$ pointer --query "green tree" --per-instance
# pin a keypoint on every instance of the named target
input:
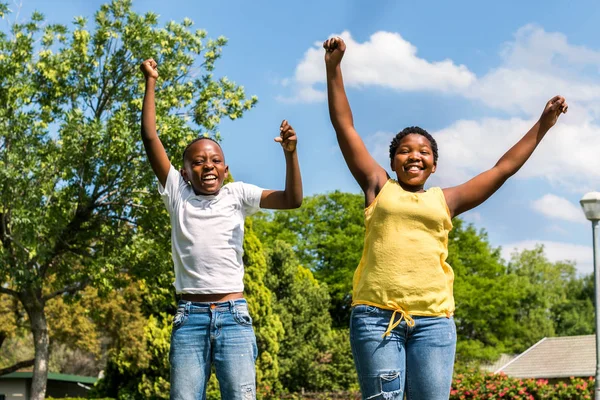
(73, 174)
(544, 286)
(486, 296)
(267, 325)
(327, 234)
(302, 304)
(575, 316)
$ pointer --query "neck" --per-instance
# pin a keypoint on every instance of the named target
(411, 188)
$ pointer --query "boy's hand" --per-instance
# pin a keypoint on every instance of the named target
(287, 137)
(149, 69)
(555, 106)
(334, 51)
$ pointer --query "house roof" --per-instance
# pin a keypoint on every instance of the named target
(556, 357)
(499, 363)
(52, 376)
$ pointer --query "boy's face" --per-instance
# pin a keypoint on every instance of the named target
(413, 161)
(204, 166)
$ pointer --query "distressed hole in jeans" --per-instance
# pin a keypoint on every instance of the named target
(248, 392)
(390, 384)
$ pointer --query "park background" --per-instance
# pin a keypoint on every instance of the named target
(85, 240)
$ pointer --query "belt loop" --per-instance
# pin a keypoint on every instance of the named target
(188, 305)
(231, 305)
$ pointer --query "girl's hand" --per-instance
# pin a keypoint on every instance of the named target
(149, 69)
(334, 51)
(287, 137)
(555, 106)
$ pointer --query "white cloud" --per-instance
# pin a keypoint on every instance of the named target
(558, 208)
(556, 251)
(535, 66)
(385, 60)
(569, 155)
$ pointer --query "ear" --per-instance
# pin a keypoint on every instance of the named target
(226, 175)
(393, 163)
(434, 168)
(183, 173)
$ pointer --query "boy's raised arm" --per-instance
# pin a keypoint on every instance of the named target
(159, 160)
(291, 197)
(367, 172)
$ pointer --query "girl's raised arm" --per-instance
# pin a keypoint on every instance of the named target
(159, 160)
(474, 192)
(370, 176)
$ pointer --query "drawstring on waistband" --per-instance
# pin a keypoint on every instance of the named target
(404, 315)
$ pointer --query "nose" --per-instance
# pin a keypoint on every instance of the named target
(208, 166)
(414, 156)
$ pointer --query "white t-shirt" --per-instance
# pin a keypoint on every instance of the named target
(207, 234)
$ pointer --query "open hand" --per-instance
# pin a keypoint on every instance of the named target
(149, 68)
(334, 51)
(555, 106)
(287, 137)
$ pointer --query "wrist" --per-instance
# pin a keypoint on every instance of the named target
(543, 127)
(150, 80)
(333, 68)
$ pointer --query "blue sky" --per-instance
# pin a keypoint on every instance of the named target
(474, 74)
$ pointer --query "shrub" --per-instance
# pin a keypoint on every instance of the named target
(479, 385)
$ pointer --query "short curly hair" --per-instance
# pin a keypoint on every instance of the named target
(197, 140)
(419, 131)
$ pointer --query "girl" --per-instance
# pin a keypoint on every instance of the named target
(212, 325)
(401, 329)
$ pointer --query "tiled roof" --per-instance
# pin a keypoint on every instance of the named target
(556, 357)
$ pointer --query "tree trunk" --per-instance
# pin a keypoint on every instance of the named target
(39, 328)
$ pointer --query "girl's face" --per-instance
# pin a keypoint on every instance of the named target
(413, 162)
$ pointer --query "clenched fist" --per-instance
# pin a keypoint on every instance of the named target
(334, 51)
(149, 69)
(287, 137)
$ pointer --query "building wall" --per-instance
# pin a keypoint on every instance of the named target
(14, 389)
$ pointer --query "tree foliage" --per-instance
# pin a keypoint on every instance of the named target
(73, 175)
(327, 234)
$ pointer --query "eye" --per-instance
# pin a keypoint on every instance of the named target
(424, 152)
(216, 161)
(198, 162)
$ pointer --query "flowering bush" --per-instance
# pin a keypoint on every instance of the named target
(479, 385)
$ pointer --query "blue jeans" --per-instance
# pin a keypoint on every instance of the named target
(218, 334)
(417, 361)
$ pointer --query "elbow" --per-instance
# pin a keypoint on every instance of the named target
(295, 203)
(504, 172)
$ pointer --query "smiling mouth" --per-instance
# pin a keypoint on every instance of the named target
(209, 178)
(412, 168)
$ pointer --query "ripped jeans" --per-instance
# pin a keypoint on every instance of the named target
(417, 361)
(218, 334)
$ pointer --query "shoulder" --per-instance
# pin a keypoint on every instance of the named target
(241, 189)
(233, 187)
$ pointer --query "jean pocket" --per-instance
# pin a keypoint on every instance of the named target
(365, 309)
(179, 318)
(242, 316)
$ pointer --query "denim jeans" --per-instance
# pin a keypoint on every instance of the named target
(417, 361)
(213, 334)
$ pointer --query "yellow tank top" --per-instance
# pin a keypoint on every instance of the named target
(403, 266)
